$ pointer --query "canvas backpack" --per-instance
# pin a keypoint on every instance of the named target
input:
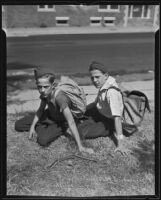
(135, 105)
(75, 93)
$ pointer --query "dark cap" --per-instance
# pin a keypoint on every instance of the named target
(41, 71)
(97, 66)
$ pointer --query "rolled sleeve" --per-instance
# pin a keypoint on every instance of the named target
(115, 101)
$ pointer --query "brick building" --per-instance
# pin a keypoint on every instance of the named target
(16, 16)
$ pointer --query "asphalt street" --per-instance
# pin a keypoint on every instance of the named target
(120, 52)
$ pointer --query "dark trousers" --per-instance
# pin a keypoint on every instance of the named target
(94, 125)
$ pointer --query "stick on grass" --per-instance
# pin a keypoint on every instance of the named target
(69, 157)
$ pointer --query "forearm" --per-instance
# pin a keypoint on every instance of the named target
(119, 135)
(75, 133)
(37, 117)
(35, 120)
(118, 125)
(38, 114)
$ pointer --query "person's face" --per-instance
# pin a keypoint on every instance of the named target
(44, 86)
(98, 78)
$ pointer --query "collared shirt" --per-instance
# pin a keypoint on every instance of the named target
(109, 102)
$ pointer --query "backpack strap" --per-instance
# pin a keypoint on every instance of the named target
(114, 87)
(118, 89)
(53, 98)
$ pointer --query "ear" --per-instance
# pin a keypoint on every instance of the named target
(106, 74)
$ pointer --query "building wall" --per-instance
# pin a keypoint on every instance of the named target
(21, 16)
(143, 21)
(29, 16)
(4, 18)
(140, 22)
(80, 16)
(157, 22)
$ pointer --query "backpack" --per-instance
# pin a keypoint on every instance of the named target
(75, 93)
(135, 105)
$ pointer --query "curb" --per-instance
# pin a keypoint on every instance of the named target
(74, 30)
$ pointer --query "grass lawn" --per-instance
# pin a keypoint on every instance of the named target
(112, 174)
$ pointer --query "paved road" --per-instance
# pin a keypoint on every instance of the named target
(73, 53)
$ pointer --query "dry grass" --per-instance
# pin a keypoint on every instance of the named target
(114, 175)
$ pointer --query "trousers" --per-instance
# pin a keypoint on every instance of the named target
(93, 125)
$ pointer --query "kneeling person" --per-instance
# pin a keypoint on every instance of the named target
(50, 123)
(109, 103)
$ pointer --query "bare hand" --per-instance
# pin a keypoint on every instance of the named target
(122, 149)
(86, 150)
(32, 134)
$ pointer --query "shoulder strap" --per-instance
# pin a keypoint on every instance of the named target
(55, 92)
(114, 87)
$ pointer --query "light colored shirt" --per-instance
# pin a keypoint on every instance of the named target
(109, 103)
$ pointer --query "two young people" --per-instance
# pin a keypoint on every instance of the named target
(102, 118)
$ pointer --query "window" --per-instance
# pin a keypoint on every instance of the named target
(109, 21)
(103, 7)
(95, 21)
(108, 8)
(139, 11)
(62, 21)
(114, 7)
(42, 7)
(46, 8)
(146, 12)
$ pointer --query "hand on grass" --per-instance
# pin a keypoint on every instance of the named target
(32, 134)
(122, 148)
(86, 150)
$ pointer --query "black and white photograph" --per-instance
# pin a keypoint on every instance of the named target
(80, 99)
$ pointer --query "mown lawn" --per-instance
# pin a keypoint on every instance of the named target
(112, 174)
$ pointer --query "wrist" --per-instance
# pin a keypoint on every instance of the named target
(80, 147)
(32, 126)
(120, 136)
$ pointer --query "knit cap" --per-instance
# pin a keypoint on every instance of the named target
(97, 66)
(40, 71)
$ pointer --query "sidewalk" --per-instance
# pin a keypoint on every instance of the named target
(29, 100)
(24, 32)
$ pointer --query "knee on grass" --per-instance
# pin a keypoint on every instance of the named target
(20, 127)
(17, 126)
(43, 141)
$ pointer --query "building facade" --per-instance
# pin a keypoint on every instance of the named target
(26, 16)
